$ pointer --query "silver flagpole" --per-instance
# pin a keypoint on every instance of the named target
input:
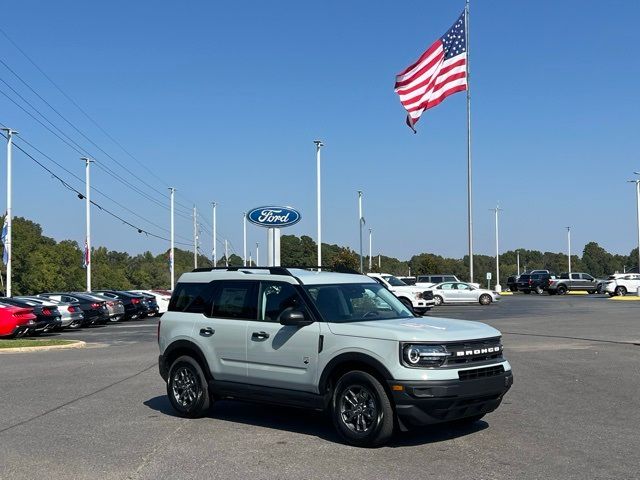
(469, 190)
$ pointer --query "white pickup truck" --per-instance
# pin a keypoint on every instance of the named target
(419, 299)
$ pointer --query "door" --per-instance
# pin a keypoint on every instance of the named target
(465, 293)
(575, 283)
(448, 293)
(281, 356)
(588, 282)
(222, 310)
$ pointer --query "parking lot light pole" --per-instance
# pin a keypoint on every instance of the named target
(257, 254)
(244, 238)
(360, 223)
(214, 252)
(518, 260)
(195, 237)
(569, 246)
(497, 285)
(172, 241)
(9, 217)
(319, 145)
(87, 197)
(370, 251)
(637, 182)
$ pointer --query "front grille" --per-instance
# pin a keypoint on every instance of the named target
(474, 351)
(427, 295)
(481, 372)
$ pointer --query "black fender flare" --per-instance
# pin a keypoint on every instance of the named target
(192, 348)
(352, 358)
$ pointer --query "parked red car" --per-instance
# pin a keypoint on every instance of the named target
(15, 321)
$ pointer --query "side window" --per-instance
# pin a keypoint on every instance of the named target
(447, 286)
(575, 276)
(450, 278)
(235, 299)
(437, 279)
(463, 286)
(275, 298)
(586, 276)
(189, 297)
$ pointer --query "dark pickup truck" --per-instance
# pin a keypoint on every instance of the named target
(573, 282)
(534, 282)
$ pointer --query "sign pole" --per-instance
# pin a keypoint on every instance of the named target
(8, 240)
(319, 145)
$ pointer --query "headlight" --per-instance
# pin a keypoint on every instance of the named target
(418, 295)
(424, 356)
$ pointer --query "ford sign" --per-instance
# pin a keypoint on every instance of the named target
(274, 217)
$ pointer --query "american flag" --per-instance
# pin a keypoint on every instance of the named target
(440, 71)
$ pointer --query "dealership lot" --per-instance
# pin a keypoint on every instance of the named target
(101, 411)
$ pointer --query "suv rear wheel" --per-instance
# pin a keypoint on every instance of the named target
(361, 410)
(621, 291)
(187, 388)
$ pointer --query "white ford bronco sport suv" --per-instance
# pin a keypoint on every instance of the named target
(329, 341)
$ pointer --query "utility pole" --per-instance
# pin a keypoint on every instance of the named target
(637, 182)
(215, 249)
(195, 237)
(518, 260)
(244, 238)
(379, 262)
(87, 197)
(257, 254)
(360, 223)
(319, 145)
(226, 253)
(569, 247)
(497, 285)
(8, 246)
(370, 257)
(172, 248)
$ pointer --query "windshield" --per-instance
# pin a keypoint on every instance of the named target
(395, 281)
(356, 302)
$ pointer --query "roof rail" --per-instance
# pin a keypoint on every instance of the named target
(279, 270)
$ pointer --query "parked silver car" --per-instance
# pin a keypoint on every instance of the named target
(70, 315)
(115, 306)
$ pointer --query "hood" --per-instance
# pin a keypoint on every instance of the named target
(423, 329)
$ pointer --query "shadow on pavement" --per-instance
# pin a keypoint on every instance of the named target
(311, 422)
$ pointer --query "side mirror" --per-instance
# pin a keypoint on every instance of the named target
(293, 317)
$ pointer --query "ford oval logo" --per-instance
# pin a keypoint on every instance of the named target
(274, 217)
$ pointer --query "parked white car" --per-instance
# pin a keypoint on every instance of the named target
(461, 292)
(420, 299)
(623, 284)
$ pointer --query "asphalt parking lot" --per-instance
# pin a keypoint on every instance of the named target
(101, 411)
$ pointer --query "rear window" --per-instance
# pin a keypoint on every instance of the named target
(525, 277)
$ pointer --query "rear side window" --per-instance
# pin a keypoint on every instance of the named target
(189, 297)
(575, 276)
(437, 279)
(450, 278)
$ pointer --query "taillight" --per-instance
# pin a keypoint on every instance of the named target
(71, 309)
(46, 311)
(530, 282)
(135, 301)
(95, 305)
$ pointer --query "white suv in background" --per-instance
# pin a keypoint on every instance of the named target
(623, 284)
(418, 298)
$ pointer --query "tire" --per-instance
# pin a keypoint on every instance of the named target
(591, 292)
(407, 304)
(599, 289)
(561, 290)
(438, 299)
(420, 311)
(539, 290)
(551, 292)
(526, 292)
(372, 423)
(622, 291)
(485, 299)
(114, 319)
(187, 388)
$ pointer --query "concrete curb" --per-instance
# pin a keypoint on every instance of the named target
(577, 293)
(506, 293)
(626, 299)
(75, 344)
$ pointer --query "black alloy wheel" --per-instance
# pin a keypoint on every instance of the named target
(187, 388)
(562, 290)
(361, 410)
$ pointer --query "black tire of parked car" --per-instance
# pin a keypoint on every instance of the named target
(620, 290)
(561, 290)
(526, 292)
(591, 292)
(485, 299)
(407, 304)
(361, 410)
(551, 292)
(187, 388)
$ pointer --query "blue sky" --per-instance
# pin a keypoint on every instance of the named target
(223, 101)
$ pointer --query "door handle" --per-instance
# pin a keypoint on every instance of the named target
(207, 332)
(259, 336)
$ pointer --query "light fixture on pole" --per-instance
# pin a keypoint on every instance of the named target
(319, 145)
(7, 236)
(637, 182)
(172, 268)
(569, 247)
(361, 222)
(498, 287)
(244, 238)
(87, 196)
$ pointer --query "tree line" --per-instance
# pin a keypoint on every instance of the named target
(42, 264)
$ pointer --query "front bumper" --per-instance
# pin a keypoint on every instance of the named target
(427, 402)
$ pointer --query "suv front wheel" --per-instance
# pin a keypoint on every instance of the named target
(187, 388)
(361, 410)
